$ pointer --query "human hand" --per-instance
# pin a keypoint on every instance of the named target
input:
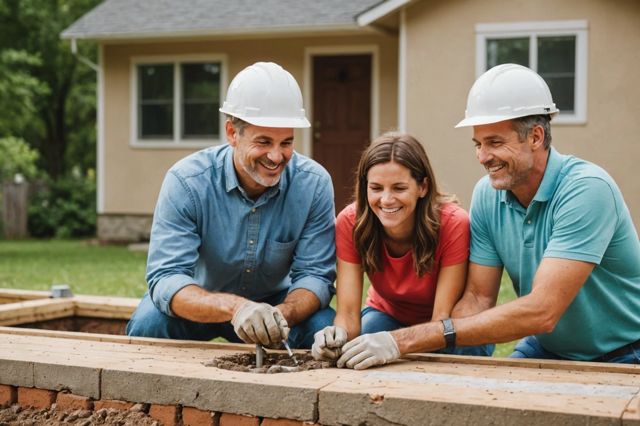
(368, 350)
(327, 343)
(260, 323)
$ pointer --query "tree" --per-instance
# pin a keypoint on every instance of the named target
(61, 115)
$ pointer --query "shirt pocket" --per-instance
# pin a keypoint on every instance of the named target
(278, 257)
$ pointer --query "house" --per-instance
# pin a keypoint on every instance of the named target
(365, 66)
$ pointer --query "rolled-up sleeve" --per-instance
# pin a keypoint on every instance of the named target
(173, 248)
(313, 266)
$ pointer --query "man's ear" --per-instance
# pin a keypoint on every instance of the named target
(536, 137)
(232, 135)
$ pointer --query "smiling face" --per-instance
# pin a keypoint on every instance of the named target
(392, 195)
(260, 155)
(512, 164)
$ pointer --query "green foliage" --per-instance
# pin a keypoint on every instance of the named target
(19, 91)
(64, 208)
(16, 157)
(61, 109)
(88, 268)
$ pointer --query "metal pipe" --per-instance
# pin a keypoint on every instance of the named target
(259, 355)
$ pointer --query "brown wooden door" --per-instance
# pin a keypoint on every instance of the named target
(341, 118)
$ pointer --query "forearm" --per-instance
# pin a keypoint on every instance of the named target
(299, 305)
(504, 323)
(471, 304)
(349, 319)
(196, 304)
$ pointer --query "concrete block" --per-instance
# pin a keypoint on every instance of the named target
(631, 415)
(194, 417)
(281, 422)
(84, 381)
(8, 395)
(112, 403)
(229, 419)
(69, 401)
(218, 395)
(36, 398)
(16, 373)
(167, 414)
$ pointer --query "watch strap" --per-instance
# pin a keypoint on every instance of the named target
(449, 333)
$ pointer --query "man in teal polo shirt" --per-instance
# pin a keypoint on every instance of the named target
(560, 227)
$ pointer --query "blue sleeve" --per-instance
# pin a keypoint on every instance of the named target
(483, 250)
(314, 259)
(584, 221)
(173, 249)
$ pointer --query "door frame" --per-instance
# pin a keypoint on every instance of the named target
(307, 90)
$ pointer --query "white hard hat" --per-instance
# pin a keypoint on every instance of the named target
(505, 92)
(265, 94)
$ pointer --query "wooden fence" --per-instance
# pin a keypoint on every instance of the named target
(14, 209)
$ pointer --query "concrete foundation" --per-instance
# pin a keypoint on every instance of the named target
(423, 389)
(120, 228)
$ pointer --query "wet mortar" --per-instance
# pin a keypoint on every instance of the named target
(272, 363)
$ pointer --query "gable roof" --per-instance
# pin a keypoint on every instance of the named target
(131, 19)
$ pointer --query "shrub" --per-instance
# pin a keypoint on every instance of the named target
(16, 157)
(64, 208)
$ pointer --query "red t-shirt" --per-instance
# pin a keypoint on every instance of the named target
(396, 289)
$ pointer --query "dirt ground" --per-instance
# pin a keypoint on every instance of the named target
(82, 324)
(272, 363)
(17, 416)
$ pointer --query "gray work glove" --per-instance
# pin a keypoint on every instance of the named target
(327, 343)
(368, 350)
(260, 323)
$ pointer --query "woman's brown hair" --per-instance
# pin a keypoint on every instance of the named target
(368, 232)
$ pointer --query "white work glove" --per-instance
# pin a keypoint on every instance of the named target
(368, 350)
(260, 323)
(327, 343)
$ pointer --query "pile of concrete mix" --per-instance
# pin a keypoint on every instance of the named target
(272, 363)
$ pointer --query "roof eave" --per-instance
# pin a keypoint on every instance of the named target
(380, 11)
(227, 32)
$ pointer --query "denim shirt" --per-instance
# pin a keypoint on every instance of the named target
(207, 231)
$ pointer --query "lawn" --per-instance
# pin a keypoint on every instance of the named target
(102, 270)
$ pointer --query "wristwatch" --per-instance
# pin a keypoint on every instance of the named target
(449, 333)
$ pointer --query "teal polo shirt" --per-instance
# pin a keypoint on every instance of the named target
(578, 213)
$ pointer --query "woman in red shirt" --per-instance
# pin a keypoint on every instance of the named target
(410, 239)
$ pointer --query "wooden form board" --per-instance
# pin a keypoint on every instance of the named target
(22, 307)
(426, 390)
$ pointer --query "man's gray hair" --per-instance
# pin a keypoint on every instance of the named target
(238, 124)
(524, 125)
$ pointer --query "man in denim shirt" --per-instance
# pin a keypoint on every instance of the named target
(242, 243)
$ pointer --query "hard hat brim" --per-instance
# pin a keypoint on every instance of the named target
(480, 120)
(285, 122)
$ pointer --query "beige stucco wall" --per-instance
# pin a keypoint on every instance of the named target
(132, 176)
(441, 69)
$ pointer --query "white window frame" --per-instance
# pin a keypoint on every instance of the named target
(532, 30)
(177, 142)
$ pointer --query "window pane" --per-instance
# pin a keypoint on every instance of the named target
(155, 101)
(201, 100)
(156, 122)
(507, 50)
(557, 65)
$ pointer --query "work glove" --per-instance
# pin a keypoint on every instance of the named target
(260, 323)
(327, 343)
(368, 350)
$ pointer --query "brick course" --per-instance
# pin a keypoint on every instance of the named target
(228, 419)
(8, 395)
(37, 398)
(69, 401)
(167, 414)
(194, 417)
(281, 422)
(112, 403)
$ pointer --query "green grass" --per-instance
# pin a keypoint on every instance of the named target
(87, 268)
(104, 270)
